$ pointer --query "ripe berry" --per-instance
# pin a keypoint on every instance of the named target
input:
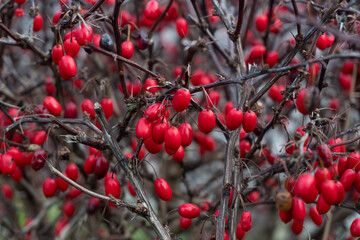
(151, 146)
(69, 209)
(298, 210)
(240, 234)
(181, 100)
(67, 67)
(261, 22)
(49, 85)
(322, 42)
(71, 47)
(83, 34)
(348, 178)
(245, 221)
(62, 184)
(6, 190)
(340, 192)
(213, 99)
(131, 189)
(38, 160)
(19, 12)
(179, 155)
(308, 100)
(154, 111)
(345, 81)
(186, 133)
(16, 155)
(285, 216)
(60, 225)
(101, 167)
(107, 106)
(355, 228)
(272, 58)
(322, 206)
(234, 119)
(249, 122)
(329, 191)
(127, 49)
(182, 27)
(152, 10)
(150, 83)
(353, 161)
(321, 175)
(7, 164)
(88, 106)
(315, 216)
(206, 121)
(325, 154)
(38, 23)
(172, 138)
(306, 188)
(163, 189)
(297, 226)
(185, 223)
(158, 130)
(57, 53)
(70, 110)
(72, 171)
(49, 187)
(20, 2)
(17, 174)
(189, 210)
(56, 17)
(112, 186)
(52, 105)
(143, 128)
(257, 52)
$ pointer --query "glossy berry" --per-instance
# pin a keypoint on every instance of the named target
(186, 132)
(20, 2)
(206, 121)
(154, 111)
(298, 210)
(112, 186)
(306, 188)
(52, 105)
(67, 67)
(150, 83)
(83, 34)
(272, 58)
(38, 23)
(329, 191)
(107, 106)
(325, 154)
(38, 160)
(127, 49)
(245, 221)
(285, 217)
(7, 164)
(71, 47)
(72, 171)
(172, 138)
(158, 130)
(56, 17)
(189, 210)
(355, 228)
(143, 128)
(322, 206)
(62, 184)
(88, 106)
(179, 155)
(234, 119)
(321, 175)
(315, 216)
(152, 10)
(19, 12)
(340, 192)
(249, 121)
(297, 226)
(181, 100)
(101, 167)
(16, 155)
(348, 178)
(353, 161)
(261, 22)
(131, 189)
(185, 223)
(163, 189)
(49, 187)
(69, 209)
(257, 52)
(182, 27)
(70, 110)
(151, 146)
(57, 53)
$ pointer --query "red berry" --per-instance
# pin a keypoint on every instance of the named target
(16, 155)
(17, 174)
(315, 216)
(38, 160)
(62, 184)
(245, 221)
(322, 42)
(240, 233)
(325, 154)
(112, 186)
(181, 100)
(213, 99)
(127, 49)
(52, 105)
(7, 164)
(56, 17)
(154, 111)
(348, 178)
(321, 175)
(49, 187)
(150, 83)
(163, 189)
(38, 23)
(348, 67)
(19, 12)
(340, 192)
(88, 106)
(20, 2)
(261, 22)
(300, 102)
(72, 171)
(6, 190)
(355, 228)
(345, 81)
(49, 85)
(186, 133)
(245, 147)
(272, 58)
(83, 34)
(69, 209)
(151, 146)
(70, 110)
(234, 119)
(249, 122)
(322, 206)
(71, 47)
(101, 167)
(172, 138)
(107, 106)
(131, 189)
(298, 210)
(57, 53)
(353, 161)
(179, 155)
(152, 10)
(189, 210)
(67, 67)
(60, 225)
(297, 226)
(329, 191)
(143, 128)
(185, 223)
(158, 130)
(257, 52)
(182, 27)
(285, 216)
(206, 121)
(306, 188)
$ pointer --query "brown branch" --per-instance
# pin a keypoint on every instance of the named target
(93, 9)
(240, 17)
(296, 11)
